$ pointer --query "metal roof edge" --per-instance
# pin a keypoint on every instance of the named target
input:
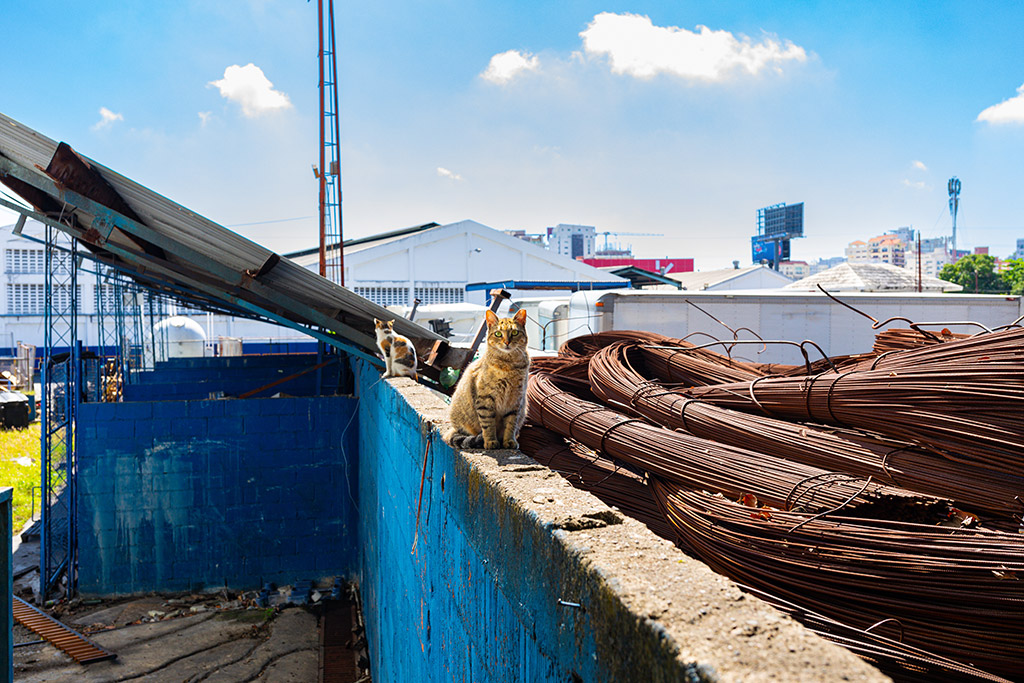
(369, 238)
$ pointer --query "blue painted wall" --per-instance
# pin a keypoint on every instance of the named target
(478, 599)
(186, 495)
(196, 378)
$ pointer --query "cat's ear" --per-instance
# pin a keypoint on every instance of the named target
(492, 319)
(520, 316)
(391, 324)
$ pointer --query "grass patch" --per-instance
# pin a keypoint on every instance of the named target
(19, 468)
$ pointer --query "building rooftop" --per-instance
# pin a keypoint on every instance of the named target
(871, 277)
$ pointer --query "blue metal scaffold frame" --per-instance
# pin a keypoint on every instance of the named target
(59, 405)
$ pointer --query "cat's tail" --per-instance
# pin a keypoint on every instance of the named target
(457, 438)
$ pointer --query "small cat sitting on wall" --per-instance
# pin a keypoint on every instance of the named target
(399, 353)
(489, 404)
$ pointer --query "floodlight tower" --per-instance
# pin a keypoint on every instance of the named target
(954, 206)
(332, 260)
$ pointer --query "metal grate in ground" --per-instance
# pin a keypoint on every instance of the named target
(73, 643)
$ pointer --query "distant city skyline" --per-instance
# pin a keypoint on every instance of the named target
(659, 117)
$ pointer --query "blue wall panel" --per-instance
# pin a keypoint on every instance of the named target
(182, 495)
(438, 613)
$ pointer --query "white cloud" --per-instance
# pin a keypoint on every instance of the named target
(249, 87)
(915, 184)
(507, 65)
(445, 173)
(1007, 111)
(919, 165)
(107, 119)
(204, 117)
(635, 46)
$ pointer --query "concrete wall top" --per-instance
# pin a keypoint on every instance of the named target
(653, 612)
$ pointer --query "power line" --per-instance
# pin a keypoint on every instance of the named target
(267, 222)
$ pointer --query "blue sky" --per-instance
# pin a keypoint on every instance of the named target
(626, 116)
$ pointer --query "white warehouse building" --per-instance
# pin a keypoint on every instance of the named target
(434, 263)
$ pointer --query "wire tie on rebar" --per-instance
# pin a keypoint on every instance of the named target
(807, 394)
(835, 509)
(885, 621)
(884, 464)
(874, 363)
(789, 504)
(753, 398)
(587, 463)
(543, 407)
(615, 426)
(682, 412)
(608, 476)
(828, 396)
(580, 414)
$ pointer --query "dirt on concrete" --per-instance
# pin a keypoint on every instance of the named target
(181, 638)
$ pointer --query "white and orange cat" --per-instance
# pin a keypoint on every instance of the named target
(399, 353)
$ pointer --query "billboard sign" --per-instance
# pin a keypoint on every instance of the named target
(782, 220)
(764, 249)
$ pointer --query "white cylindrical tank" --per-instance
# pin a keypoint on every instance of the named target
(179, 337)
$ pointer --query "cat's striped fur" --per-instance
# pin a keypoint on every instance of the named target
(489, 404)
(399, 353)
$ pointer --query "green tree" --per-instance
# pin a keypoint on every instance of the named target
(1013, 275)
(976, 273)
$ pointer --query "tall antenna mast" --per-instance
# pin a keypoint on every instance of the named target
(954, 206)
(332, 258)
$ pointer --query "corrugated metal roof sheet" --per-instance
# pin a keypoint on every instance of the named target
(141, 232)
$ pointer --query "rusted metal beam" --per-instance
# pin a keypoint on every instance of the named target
(73, 643)
(497, 296)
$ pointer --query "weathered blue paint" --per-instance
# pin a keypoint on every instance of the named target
(478, 599)
(197, 378)
(186, 495)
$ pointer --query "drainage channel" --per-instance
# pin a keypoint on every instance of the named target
(73, 643)
(342, 642)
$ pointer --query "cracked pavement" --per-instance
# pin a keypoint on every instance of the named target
(232, 645)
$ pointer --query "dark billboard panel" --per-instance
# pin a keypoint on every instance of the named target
(783, 220)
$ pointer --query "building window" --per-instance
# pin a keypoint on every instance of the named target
(104, 296)
(441, 295)
(28, 299)
(23, 261)
(24, 299)
(385, 296)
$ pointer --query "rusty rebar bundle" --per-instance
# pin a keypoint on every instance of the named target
(697, 463)
(847, 527)
(949, 592)
(618, 375)
(963, 398)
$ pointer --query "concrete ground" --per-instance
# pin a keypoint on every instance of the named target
(185, 638)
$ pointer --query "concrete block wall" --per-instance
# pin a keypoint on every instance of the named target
(187, 495)
(510, 574)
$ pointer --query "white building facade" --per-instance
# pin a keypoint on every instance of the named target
(434, 263)
(574, 241)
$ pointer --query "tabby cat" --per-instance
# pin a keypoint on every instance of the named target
(399, 353)
(489, 404)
